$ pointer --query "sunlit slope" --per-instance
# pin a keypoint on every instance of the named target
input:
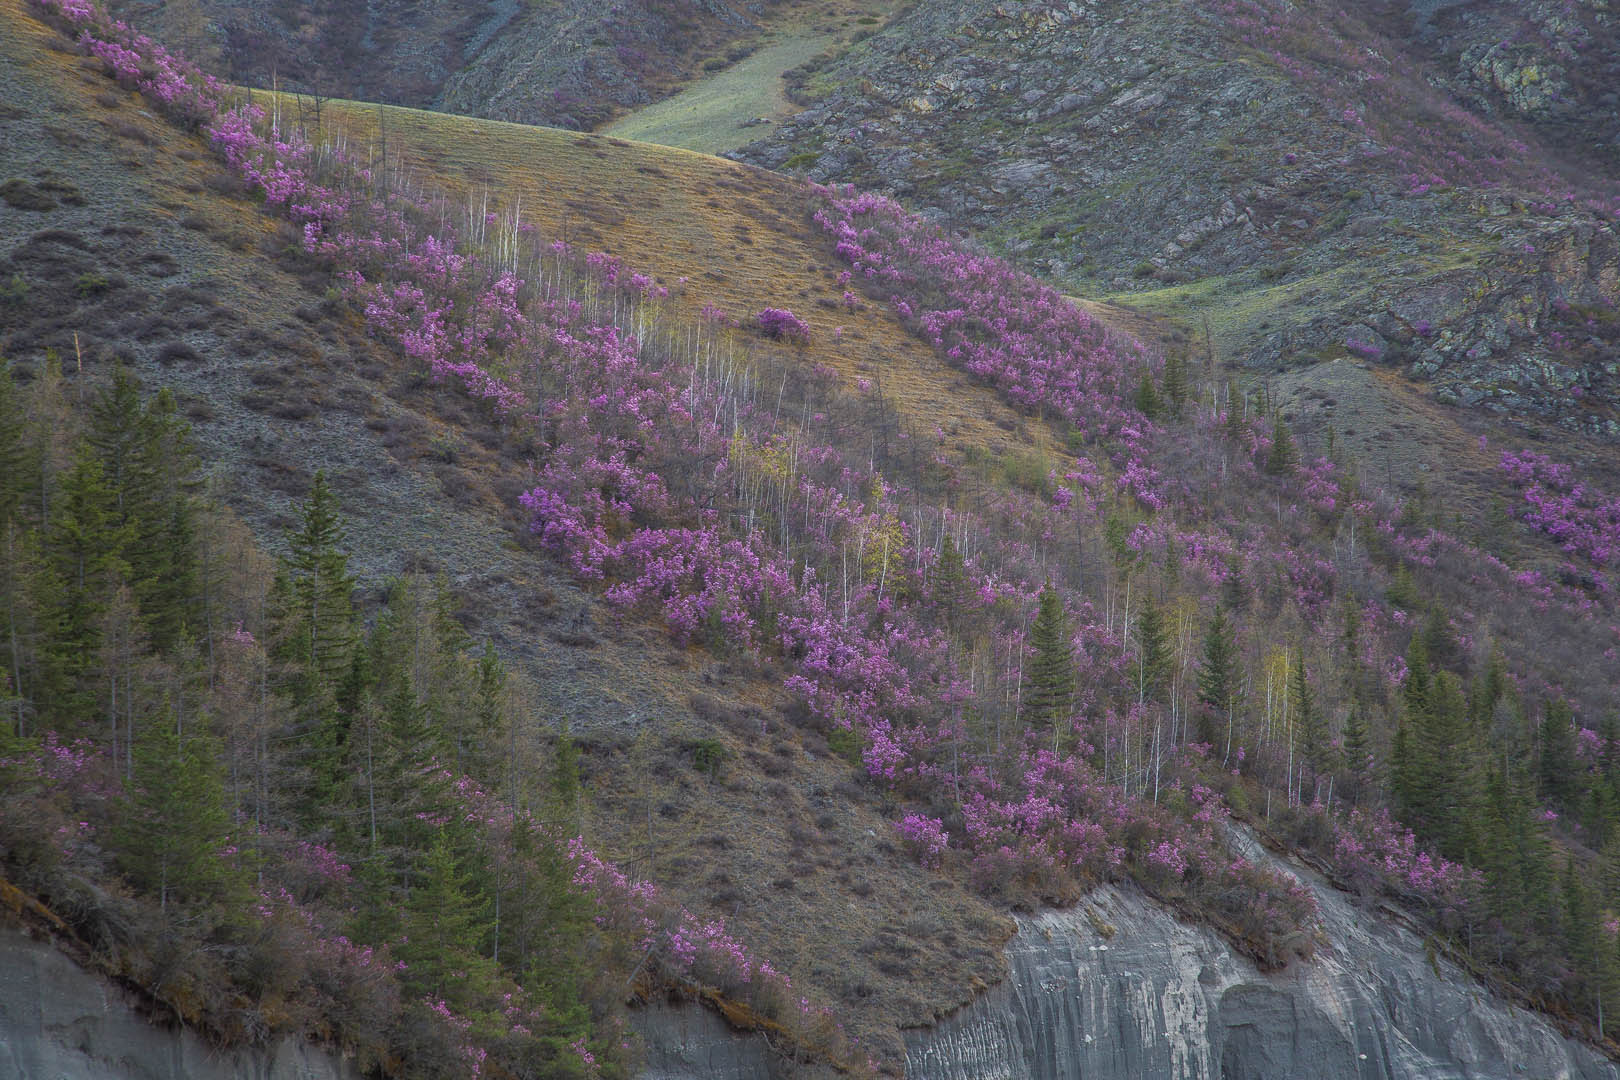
(723, 111)
(713, 231)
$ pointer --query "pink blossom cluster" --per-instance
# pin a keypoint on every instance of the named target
(1371, 847)
(1585, 522)
(783, 324)
(986, 317)
(926, 836)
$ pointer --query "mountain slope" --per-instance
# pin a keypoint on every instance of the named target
(1311, 181)
(842, 498)
(570, 63)
(206, 297)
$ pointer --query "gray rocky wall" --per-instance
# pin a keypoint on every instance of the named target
(60, 1022)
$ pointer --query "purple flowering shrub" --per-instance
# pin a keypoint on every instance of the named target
(783, 325)
(1583, 522)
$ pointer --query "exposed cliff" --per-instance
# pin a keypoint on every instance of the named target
(60, 1022)
(1118, 987)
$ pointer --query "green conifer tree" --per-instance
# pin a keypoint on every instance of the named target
(1147, 400)
(1307, 719)
(1049, 678)
(86, 543)
(1175, 383)
(1153, 655)
(146, 455)
(316, 637)
(443, 929)
(19, 467)
(1359, 766)
(173, 831)
(948, 585)
(1282, 457)
(1556, 761)
(1218, 677)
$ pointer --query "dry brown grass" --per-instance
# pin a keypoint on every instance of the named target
(678, 214)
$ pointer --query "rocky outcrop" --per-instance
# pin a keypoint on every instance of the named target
(1162, 999)
(1117, 988)
(60, 1022)
(1123, 148)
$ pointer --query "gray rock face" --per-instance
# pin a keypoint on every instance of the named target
(60, 1022)
(685, 1042)
(1117, 987)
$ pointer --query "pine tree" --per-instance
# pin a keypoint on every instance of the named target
(1153, 656)
(948, 585)
(1307, 719)
(85, 545)
(562, 796)
(1556, 762)
(1283, 457)
(174, 826)
(1147, 399)
(489, 703)
(1218, 676)
(316, 636)
(443, 930)
(1358, 752)
(1049, 678)
(18, 453)
(1175, 382)
(34, 610)
(1237, 424)
(319, 588)
(1402, 592)
(1439, 783)
(146, 455)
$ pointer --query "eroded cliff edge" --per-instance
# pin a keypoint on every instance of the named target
(1118, 987)
(61, 1022)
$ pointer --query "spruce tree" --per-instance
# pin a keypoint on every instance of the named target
(1049, 678)
(319, 589)
(443, 931)
(33, 606)
(948, 585)
(316, 636)
(174, 825)
(146, 455)
(86, 542)
(18, 452)
(1175, 383)
(1237, 422)
(1283, 457)
(1556, 761)
(488, 705)
(1218, 676)
(1358, 752)
(1402, 592)
(1307, 719)
(1153, 655)
(1147, 401)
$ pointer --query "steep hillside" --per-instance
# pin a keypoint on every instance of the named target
(572, 64)
(204, 295)
(1314, 181)
(861, 566)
